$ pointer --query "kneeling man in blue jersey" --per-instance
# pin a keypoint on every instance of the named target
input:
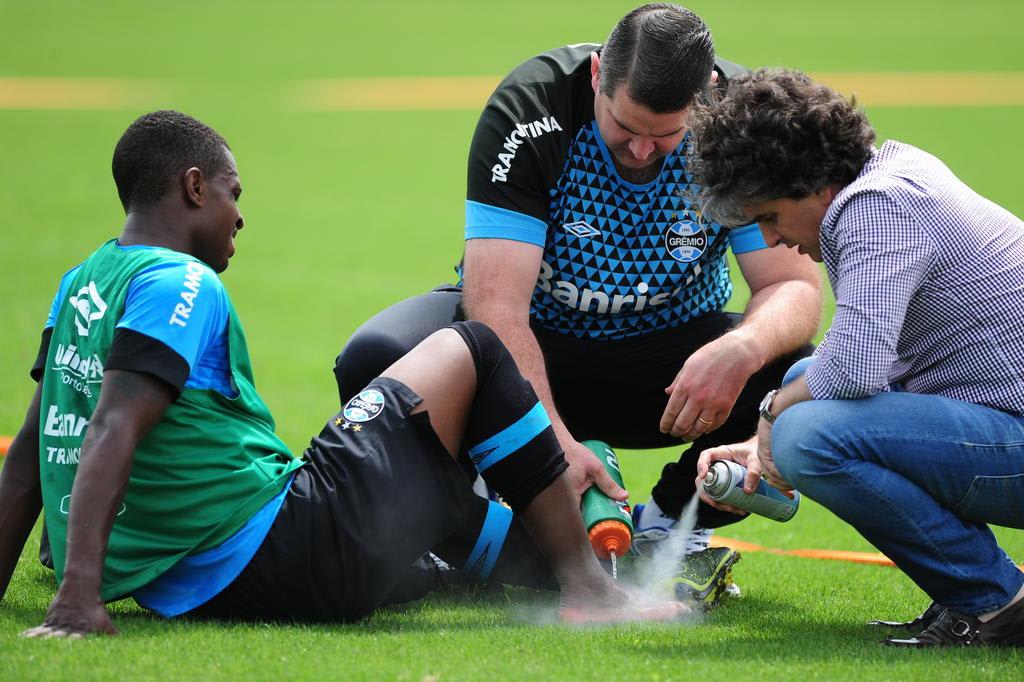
(908, 422)
(584, 254)
(157, 465)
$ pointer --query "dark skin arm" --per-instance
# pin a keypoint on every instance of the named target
(20, 496)
(131, 403)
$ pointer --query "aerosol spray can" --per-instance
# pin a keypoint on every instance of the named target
(609, 522)
(724, 483)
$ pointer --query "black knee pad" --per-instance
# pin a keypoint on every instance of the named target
(489, 353)
(509, 436)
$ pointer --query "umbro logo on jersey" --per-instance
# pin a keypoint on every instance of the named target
(582, 229)
(89, 307)
(478, 456)
(476, 569)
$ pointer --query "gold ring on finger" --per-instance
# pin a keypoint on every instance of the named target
(705, 422)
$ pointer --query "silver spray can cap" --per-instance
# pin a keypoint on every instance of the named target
(719, 480)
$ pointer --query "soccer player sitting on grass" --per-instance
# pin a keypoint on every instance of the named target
(908, 422)
(158, 467)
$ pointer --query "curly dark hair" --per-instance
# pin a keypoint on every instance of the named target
(157, 147)
(775, 134)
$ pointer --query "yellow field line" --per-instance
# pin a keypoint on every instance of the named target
(982, 89)
(103, 94)
(468, 93)
(454, 93)
(448, 93)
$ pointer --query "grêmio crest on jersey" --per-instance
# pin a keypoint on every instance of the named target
(624, 259)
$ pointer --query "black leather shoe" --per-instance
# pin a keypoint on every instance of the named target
(955, 629)
(916, 625)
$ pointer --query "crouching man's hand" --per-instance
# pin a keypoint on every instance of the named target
(744, 454)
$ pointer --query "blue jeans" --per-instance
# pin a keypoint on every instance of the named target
(919, 476)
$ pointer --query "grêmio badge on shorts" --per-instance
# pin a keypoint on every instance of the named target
(365, 406)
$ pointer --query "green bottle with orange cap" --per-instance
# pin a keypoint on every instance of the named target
(609, 523)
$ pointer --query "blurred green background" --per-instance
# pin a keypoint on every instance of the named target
(347, 212)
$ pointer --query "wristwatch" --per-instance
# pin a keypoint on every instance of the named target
(766, 406)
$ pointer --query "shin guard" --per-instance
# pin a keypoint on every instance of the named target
(508, 436)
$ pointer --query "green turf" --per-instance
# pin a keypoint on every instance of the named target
(349, 212)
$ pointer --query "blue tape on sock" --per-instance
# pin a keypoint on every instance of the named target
(501, 445)
(488, 545)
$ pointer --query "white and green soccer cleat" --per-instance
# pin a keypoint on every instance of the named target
(704, 577)
(703, 574)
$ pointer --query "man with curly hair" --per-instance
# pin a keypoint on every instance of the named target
(908, 422)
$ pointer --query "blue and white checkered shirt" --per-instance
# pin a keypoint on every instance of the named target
(929, 284)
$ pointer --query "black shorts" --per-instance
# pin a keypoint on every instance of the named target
(378, 489)
(606, 390)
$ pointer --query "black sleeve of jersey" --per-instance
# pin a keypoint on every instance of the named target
(504, 165)
(525, 131)
(44, 348)
(137, 352)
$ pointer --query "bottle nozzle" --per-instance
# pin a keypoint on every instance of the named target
(610, 536)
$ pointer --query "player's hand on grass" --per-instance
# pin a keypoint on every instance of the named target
(73, 620)
(585, 470)
(766, 460)
(701, 397)
(744, 454)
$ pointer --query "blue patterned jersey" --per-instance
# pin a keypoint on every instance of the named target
(620, 259)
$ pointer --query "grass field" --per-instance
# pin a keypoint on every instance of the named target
(350, 210)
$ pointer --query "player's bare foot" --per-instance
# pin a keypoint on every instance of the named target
(613, 604)
(667, 611)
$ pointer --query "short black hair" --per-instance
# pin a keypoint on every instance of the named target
(159, 146)
(776, 134)
(663, 52)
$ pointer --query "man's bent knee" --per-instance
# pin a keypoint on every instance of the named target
(806, 440)
(367, 354)
(390, 334)
(797, 370)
